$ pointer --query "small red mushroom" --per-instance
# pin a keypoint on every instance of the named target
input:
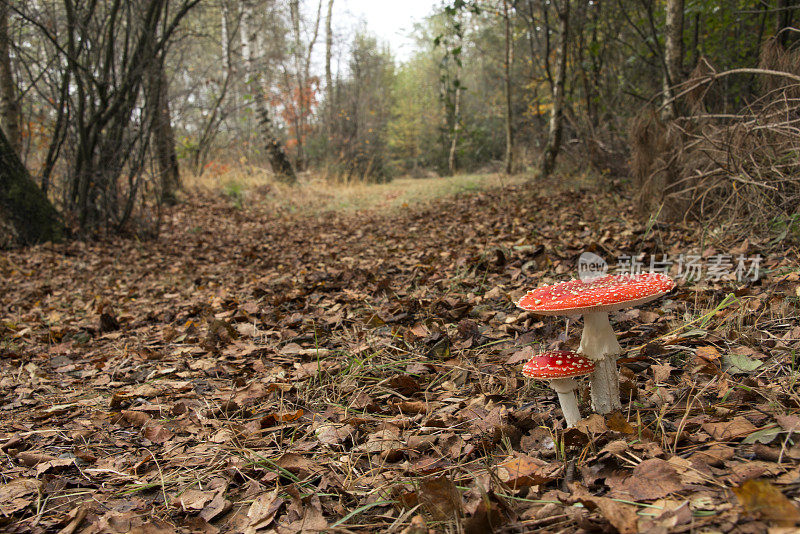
(559, 367)
(594, 299)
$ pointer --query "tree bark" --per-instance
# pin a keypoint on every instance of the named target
(673, 54)
(10, 112)
(783, 20)
(507, 74)
(163, 135)
(451, 157)
(278, 159)
(294, 10)
(328, 72)
(26, 215)
(556, 123)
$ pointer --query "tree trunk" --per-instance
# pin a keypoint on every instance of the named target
(26, 215)
(507, 74)
(163, 136)
(555, 127)
(9, 103)
(451, 158)
(280, 163)
(294, 10)
(328, 73)
(673, 54)
(783, 20)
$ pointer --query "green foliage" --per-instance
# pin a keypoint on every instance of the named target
(413, 131)
(786, 227)
(235, 192)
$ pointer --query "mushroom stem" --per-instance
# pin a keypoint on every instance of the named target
(565, 387)
(599, 343)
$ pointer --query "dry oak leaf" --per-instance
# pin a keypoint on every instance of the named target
(135, 417)
(157, 433)
(440, 498)
(193, 500)
(709, 353)
(218, 505)
(617, 422)
(594, 424)
(263, 510)
(651, 479)
(32, 458)
(622, 516)
(333, 434)
(524, 471)
(304, 516)
(297, 464)
(762, 499)
(736, 428)
(17, 495)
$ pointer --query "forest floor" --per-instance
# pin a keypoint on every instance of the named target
(257, 370)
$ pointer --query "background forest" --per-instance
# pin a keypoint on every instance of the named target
(110, 104)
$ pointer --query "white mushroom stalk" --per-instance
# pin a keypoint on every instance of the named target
(599, 344)
(565, 387)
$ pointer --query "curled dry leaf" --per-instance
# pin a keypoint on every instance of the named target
(262, 512)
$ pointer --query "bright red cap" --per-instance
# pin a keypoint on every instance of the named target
(607, 293)
(557, 364)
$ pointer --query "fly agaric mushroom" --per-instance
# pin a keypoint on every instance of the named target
(559, 367)
(593, 299)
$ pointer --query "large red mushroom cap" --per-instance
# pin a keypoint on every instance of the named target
(607, 293)
(557, 364)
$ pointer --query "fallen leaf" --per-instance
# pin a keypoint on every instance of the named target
(594, 424)
(651, 479)
(440, 498)
(192, 500)
(739, 364)
(136, 418)
(157, 433)
(708, 353)
(262, 512)
(18, 495)
(738, 427)
(617, 422)
(523, 471)
(622, 516)
(765, 501)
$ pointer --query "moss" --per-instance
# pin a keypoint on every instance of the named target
(24, 206)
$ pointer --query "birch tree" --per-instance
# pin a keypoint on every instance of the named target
(507, 59)
(251, 52)
(673, 53)
(555, 124)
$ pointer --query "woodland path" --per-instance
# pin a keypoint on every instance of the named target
(259, 370)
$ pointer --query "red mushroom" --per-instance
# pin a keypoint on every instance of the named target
(559, 367)
(594, 299)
